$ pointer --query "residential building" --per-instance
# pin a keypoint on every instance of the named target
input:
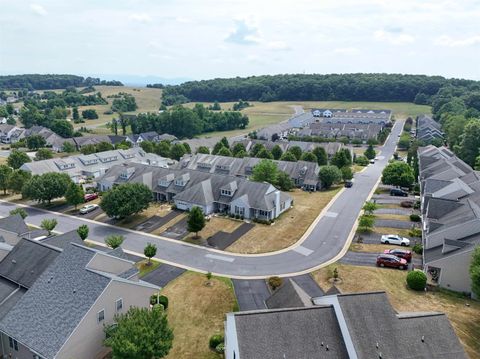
(304, 174)
(12, 229)
(6, 132)
(359, 131)
(211, 192)
(152, 136)
(96, 139)
(342, 326)
(330, 147)
(428, 129)
(450, 193)
(63, 313)
(94, 165)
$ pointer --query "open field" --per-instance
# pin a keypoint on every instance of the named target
(289, 227)
(148, 100)
(196, 311)
(465, 319)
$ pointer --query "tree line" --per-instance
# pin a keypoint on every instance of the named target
(183, 122)
(314, 87)
(50, 82)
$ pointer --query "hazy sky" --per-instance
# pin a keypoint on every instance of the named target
(219, 38)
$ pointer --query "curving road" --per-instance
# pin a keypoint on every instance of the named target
(326, 240)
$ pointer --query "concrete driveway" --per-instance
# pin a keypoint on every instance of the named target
(251, 294)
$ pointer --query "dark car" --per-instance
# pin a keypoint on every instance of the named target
(400, 253)
(398, 192)
(348, 184)
(90, 196)
(388, 260)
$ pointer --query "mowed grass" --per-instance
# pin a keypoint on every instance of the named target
(147, 99)
(464, 319)
(289, 227)
(196, 311)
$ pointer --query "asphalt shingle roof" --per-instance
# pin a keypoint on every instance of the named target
(27, 261)
(289, 295)
(14, 224)
(62, 241)
(52, 308)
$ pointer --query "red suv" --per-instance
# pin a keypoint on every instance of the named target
(400, 253)
(90, 196)
(388, 260)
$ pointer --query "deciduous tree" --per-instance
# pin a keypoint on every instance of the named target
(49, 224)
(114, 240)
(150, 251)
(5, 174)
(83, 231)
(329, 175)
(398, 174)
(126, 199)
(17, 158)
(265, 171)
(139, 334)
(75, 194)
(196, 220)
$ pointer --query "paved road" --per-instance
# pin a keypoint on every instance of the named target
(368, 259)
(324, 243)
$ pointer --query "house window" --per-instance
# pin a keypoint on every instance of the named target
(13, 343)
(240, 211)
(119, 304)
(101, 316)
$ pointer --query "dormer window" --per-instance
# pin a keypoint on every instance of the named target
(226, 193)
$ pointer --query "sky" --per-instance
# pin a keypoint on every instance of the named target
(202, 39)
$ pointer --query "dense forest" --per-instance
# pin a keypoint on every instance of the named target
(186, 123)
(341, 87)
(50, 82)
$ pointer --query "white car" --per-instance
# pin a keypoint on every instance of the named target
(395, 239)
(372, 161)
(88, 208)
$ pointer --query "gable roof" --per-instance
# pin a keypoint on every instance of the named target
(289, 333)
(289, 295)
(27, 261)
(51, 309)
(62, 241)
(14, 224)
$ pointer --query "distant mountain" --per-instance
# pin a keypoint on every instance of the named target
(137, 80)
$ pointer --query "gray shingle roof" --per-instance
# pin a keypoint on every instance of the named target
(290, 333)
(289, 295)
(51, 309)
(27, 261)
(14, 224)
(371, 319)
(62, 241)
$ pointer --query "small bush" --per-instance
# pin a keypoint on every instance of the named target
(417, 205)
(173, 207)
(275, 282)
(415, 218)
(406, 204)
(215, 341)
(361, 161)
(417, 248)
(416, 280)
(159, 299)
(220, 348)
(415, 232)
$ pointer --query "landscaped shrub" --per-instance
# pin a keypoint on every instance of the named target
(417, 248)
(275, 282)
(416, 280)
(215, 340)
(159, 299)
(415, 217)
(415, 232)
(220, 348)
(417, 205)
(406, 204)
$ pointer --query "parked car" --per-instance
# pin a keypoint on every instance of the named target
(395, 239)
(349, 184)
(88, 208)
(90, 197)
(388, 260)
(372, 161)
(400, 253)
(398, 192)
